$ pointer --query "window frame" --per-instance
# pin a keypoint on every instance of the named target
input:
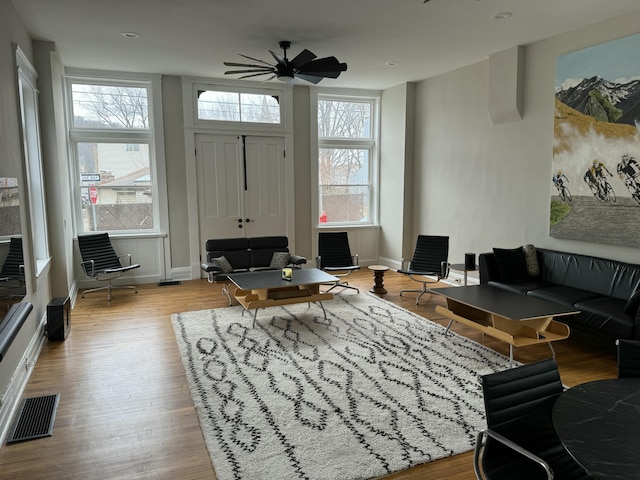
(127, 136)
(190, 99)
(32, 151)
(370, 144)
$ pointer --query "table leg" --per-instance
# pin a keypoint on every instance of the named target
(378, 287)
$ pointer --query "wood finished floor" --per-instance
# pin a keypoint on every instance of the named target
(125, 410)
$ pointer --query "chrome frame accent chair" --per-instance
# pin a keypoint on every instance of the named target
(334, 257)
(100, 262)
(520, 441)
(12, 274)
(628, 358)
(430, 259)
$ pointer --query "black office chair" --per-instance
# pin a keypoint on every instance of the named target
(12, 274)
(334, 257)
(520, 441)
(100, 262)
(628, 358)
(430, 259)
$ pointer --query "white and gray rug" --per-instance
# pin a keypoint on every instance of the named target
(370, 390)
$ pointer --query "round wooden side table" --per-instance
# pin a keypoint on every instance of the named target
(378, 275)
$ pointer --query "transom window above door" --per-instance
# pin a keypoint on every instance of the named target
(227, 106)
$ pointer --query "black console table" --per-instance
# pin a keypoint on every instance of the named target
(599, 424)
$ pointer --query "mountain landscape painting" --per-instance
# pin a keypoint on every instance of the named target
(595, 181)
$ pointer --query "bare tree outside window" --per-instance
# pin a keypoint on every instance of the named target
(107, 106)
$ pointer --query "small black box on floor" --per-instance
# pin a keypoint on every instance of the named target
(58, 321)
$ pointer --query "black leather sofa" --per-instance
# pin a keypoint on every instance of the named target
(246, 255)
(242, 254)
(606, 292)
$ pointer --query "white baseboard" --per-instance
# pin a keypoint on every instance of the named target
(182, 273)
(11, 399)
(392, 263)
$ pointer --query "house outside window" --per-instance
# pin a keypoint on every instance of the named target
(347, 159)
(112, 140)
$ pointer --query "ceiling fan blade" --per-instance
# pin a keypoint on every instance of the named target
(303, 57)
(255, 59)
(327, 64)
(262, 70)
(253, 65)
(254, 75)
(309, 78)
(279, 58)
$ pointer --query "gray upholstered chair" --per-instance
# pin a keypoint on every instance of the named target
(334, 257)
(520, 441)
(429, 263)
(101, 263)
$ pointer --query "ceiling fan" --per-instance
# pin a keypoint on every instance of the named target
(304, 66)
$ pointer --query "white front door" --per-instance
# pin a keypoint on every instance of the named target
(241, 186)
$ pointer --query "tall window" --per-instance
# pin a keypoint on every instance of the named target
(111, 132)
(346, 159)
(31, 137)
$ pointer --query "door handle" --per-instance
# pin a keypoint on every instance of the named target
(239, 220)
(248, 220)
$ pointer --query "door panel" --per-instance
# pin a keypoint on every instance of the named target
(222, 198)
(264, 200)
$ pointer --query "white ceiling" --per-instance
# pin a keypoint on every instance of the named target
(194, 37)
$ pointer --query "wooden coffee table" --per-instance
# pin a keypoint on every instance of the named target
(266, 288)
(517, 319)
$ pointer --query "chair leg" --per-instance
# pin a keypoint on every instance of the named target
(420, 292)
(343, 285)
(108, 287)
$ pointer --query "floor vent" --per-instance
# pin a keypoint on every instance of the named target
(35, 418)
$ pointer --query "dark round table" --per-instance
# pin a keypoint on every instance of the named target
(599, 424)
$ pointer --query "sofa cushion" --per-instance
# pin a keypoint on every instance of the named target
(521, 286)
(632, 305)
(279, 260)
(220, 244)
(223, 264)
(272, 243)
(607, 315)
(531, 260)
(563, 295)
(512, 264)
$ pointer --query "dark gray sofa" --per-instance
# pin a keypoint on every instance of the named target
(605, 291)
(245, 255)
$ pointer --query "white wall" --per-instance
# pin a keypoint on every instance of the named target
(17, 364)
(396, 166)
(489, 185)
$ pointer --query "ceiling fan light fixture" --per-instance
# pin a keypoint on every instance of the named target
(285, 78)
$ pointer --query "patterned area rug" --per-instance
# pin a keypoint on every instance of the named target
(370, 390)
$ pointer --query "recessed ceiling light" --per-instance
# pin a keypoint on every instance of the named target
(392, 63)
(130, 35)
(502, 15)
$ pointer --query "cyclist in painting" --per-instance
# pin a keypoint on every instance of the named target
(628, 168)
(629, 172)
(596, 174)
(559, 178)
